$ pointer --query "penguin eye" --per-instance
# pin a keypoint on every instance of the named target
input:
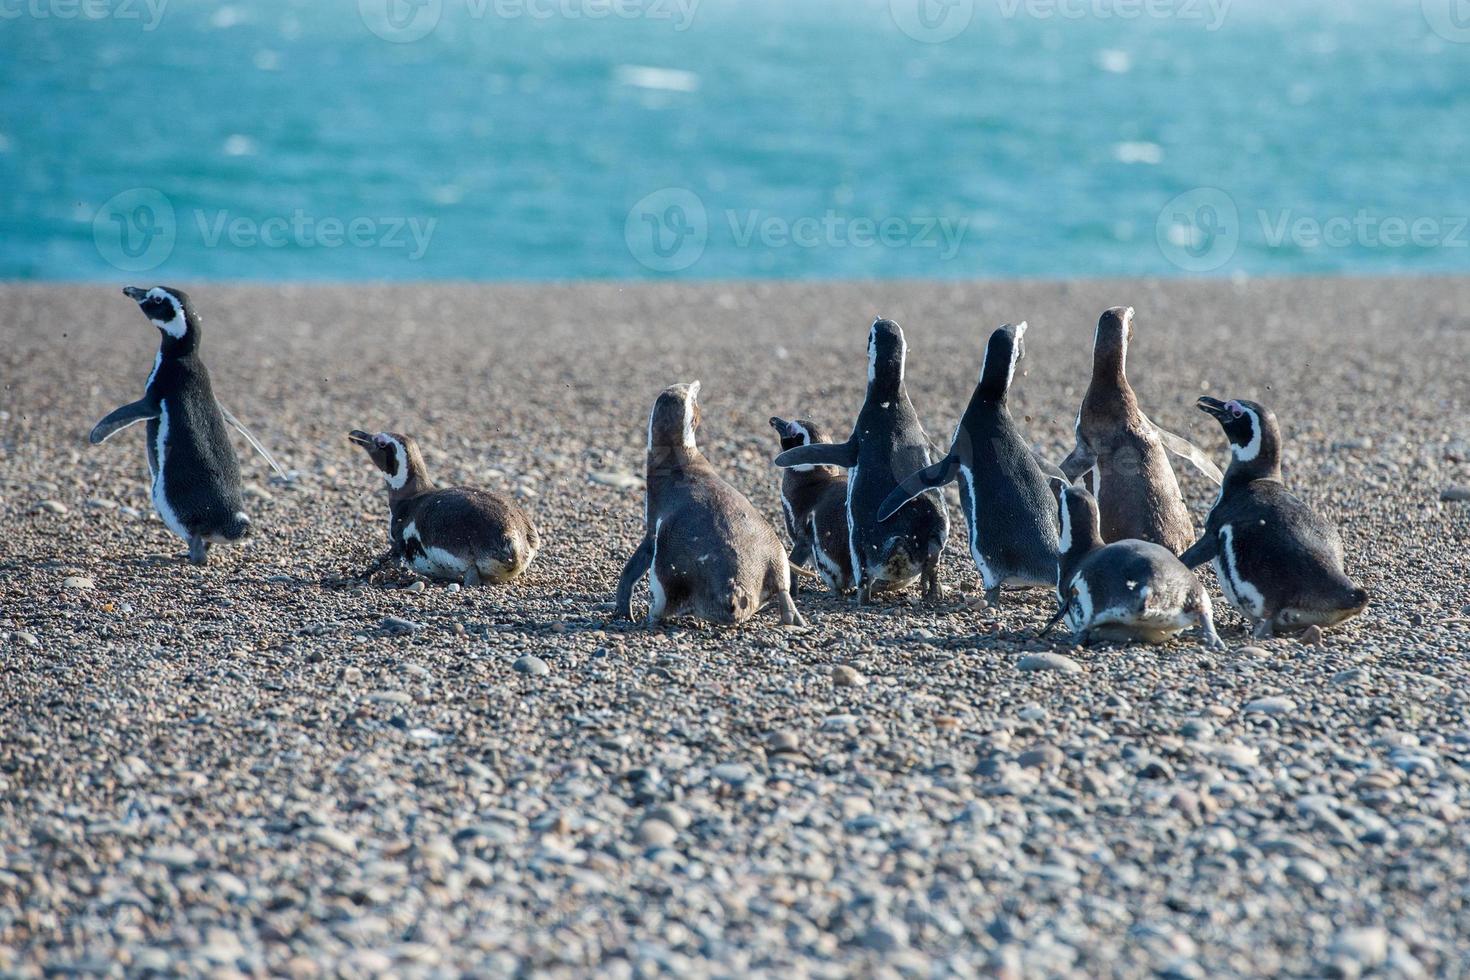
(1236, 409)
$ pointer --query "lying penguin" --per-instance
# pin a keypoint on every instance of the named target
(887, 441)
(458, 534)
(1137, 493)
(1127, 591)
(1278, 562)
(196, 477)
(814, 500)
(1005, 490)
(706, 550)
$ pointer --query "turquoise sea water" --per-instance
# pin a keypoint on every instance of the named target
(175, 140)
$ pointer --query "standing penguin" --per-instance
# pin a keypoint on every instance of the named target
(457, 534)
(1128, 590)
(1004, 490)
(706, 550)
(814, 499)
(886, 441)
(196, 477)
(1278, 562)
(1137, 494)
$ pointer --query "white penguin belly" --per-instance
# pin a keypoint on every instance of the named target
(828, 568)
(160, 494)
(1242, 594)
(432, 561)
(658, 598)
(988, 577)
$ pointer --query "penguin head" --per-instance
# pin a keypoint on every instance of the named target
(1255, 436)
(397, 455)
(675, 417)
(169, 310)
(797, 432)
(887, 352)
(1003, 351)
(1114, 331)
(1081, 530)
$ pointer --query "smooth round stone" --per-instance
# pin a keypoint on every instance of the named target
(672, 814)
(533, 665)
(656, 833)
(1049, 661)
(783, 740)
(845, 676)
(79, 582)
(1041, 757)
(416, 586)
(1273, 705)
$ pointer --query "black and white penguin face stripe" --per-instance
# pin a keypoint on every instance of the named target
(391, 455)
(1250, 428)
(164, 308)
(887, 352)
(675, 417)
(1080, 521)
(1003, 351)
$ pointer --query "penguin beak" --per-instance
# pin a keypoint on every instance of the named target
(363, 439)
(1213, 406)
(780, 425)
(135, 294)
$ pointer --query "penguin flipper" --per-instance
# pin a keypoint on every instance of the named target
(250, 438)
(842, 454)
(929, 478)
(1079, 461)
(1182, 447)
(118, 419)
(1048, 468)
(638, 565)
(1201, 551)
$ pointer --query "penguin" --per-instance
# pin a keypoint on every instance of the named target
(814, 500)
(457, 534)
(707, 552)
(1005, 491)
(1278, 562)
(1126, 591)
(886, 441)
(196, 477)
(1123, 452)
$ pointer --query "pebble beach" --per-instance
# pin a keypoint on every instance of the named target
(276, 766)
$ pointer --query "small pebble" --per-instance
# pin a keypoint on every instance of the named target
(845, 676)
(78, 582)
(1049, 661)
(533, 665)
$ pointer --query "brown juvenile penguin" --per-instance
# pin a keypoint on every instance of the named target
(814, 499)
(706, 551)
(1137, 494)
(458, 534)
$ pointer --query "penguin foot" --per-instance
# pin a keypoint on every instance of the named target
(992, 596)
(198, 551)
(472, 577)
(1264, 630)
(865, 594)
(933, 589)
(790, 615)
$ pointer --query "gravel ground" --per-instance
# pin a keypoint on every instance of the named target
(272, 766)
